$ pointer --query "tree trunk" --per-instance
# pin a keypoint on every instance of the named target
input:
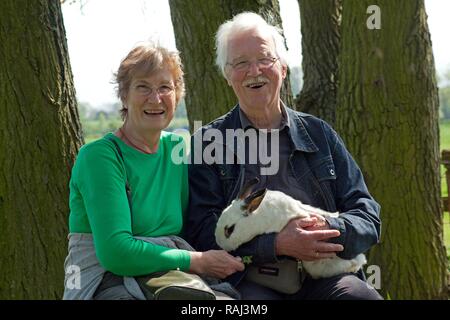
(195, 23)
(388, 115)
(40, 135)
(320, 22)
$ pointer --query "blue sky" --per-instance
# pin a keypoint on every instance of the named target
(101, 32)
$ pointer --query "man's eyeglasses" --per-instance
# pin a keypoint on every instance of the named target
(244, 65)
(146, 90)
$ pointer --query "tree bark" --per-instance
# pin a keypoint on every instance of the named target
(40, 135)
(195, 23)
(320, 22)
(388, 115)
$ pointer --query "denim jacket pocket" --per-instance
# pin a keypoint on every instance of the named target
(324, 169)
(325, 175)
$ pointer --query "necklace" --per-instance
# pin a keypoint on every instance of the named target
(135, 146)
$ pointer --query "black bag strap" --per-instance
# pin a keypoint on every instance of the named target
(127, 185)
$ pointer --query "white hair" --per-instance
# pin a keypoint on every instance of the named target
(243, 22)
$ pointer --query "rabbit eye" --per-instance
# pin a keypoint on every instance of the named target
(229, 231)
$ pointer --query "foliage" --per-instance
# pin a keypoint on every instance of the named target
(444, 95)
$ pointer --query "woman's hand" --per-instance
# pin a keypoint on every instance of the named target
(215, 263)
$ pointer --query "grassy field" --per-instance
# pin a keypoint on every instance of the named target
(444, 127)
(447, 234)
(445, 144)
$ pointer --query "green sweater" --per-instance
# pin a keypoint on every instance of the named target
(99, 205)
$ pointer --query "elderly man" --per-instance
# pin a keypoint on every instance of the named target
(311, 161)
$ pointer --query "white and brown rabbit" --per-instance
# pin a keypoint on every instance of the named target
(267, 211)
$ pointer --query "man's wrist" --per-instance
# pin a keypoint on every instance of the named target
(279, 249)
(336, 224)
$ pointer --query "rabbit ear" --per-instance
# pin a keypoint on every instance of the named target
(247, 188)
(252, 202)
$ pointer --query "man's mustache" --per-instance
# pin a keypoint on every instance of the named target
(258, 79)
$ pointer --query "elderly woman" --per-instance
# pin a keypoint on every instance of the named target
(126, 189)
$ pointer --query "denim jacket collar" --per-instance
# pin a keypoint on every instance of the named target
(246, 123)
(297, 131)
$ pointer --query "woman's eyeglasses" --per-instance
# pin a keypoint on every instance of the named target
(146, 90)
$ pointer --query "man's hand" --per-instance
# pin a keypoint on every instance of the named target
(320, 223)
(305, 239)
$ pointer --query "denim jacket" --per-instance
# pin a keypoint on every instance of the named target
(327, 173)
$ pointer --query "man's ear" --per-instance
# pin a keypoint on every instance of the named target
(227, 76)
(284, 69)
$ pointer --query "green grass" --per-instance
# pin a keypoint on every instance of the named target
(444, 127)
(447, 233)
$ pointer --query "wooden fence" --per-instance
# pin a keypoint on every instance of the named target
(445, 161)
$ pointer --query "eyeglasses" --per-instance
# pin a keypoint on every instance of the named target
(162, 91)
(244, 65)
